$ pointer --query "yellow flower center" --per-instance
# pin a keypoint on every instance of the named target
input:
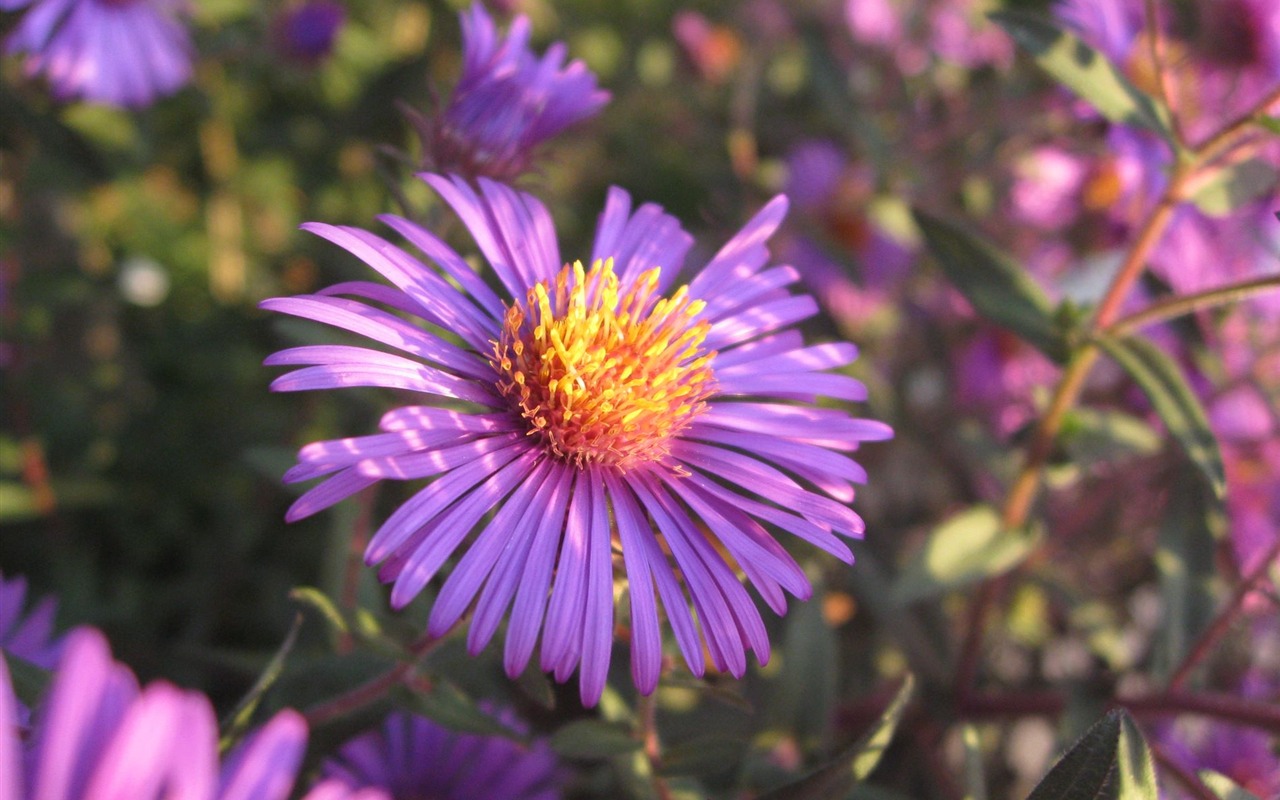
(604, 377)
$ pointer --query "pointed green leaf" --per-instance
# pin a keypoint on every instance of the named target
(967, 547)
(1185, 562)
(593, 738)
(451, 707)
(1088, 770)
(1136, 769)
(975, 780)
(1085, 71)
(852, 766)
(238, 721)
(1224, 787)
(1236, 185)
(1174, 401)
(994, 284)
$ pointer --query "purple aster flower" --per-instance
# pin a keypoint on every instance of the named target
(507, 101)
(306, 33)
(98, 736)
(119, 52)
(410, 756)
(592, 408)
(27, 635)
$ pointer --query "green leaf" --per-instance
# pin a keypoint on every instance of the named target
(1088, 770)
(1236, 185)
(967, 547)
(29, 681)
(313, 597)
(1224, 787)
(994, 284)
(1186, 552)
(852, 766)
(702, 756)
(1110, 762)
(1137, 772)
(593, 738)
(1174, 402)
(1085, 71)
(806, 690)
(1092, 436)
(242, 714)
(975, 781)
(451, 707)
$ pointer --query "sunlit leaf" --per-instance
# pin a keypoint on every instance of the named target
(967, 547)
(1173, 400)
(1085, 71)
(1133, 758)
(975, 779)
(1111, 761)
(1236, 185)
(994, 284)
(853, 765)
(593, 738)
(1224, 787)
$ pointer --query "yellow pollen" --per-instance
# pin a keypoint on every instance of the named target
(603, 376)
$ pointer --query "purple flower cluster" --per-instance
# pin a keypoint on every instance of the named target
(118, 52)
(603, 409)
(410, 756)
(506, 102)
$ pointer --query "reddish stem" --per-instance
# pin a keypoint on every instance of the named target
(1223, 621)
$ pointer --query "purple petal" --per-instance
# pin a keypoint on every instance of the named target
(264, 766)
(420, 509)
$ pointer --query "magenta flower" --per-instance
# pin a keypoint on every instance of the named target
(118, 52)
(413, 757)
(507, 101)
(592, 408)
(27, 634)
(98, 736)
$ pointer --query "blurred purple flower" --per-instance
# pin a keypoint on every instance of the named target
(1046, 188)
(118, 52)
(506, 103)
(606, 414)
(98, 736)
(306, 33)
(27, 635)
(815, 169)
(1112, 26)
(410, 756)
(1245, 755)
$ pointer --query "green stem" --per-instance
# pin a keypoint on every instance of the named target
(1186, 304)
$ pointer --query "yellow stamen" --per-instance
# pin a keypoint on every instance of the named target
(604, 377)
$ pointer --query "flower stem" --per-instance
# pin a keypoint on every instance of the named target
(1222, 622)
(647, 719)
(374, 689)
(1017, 506)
